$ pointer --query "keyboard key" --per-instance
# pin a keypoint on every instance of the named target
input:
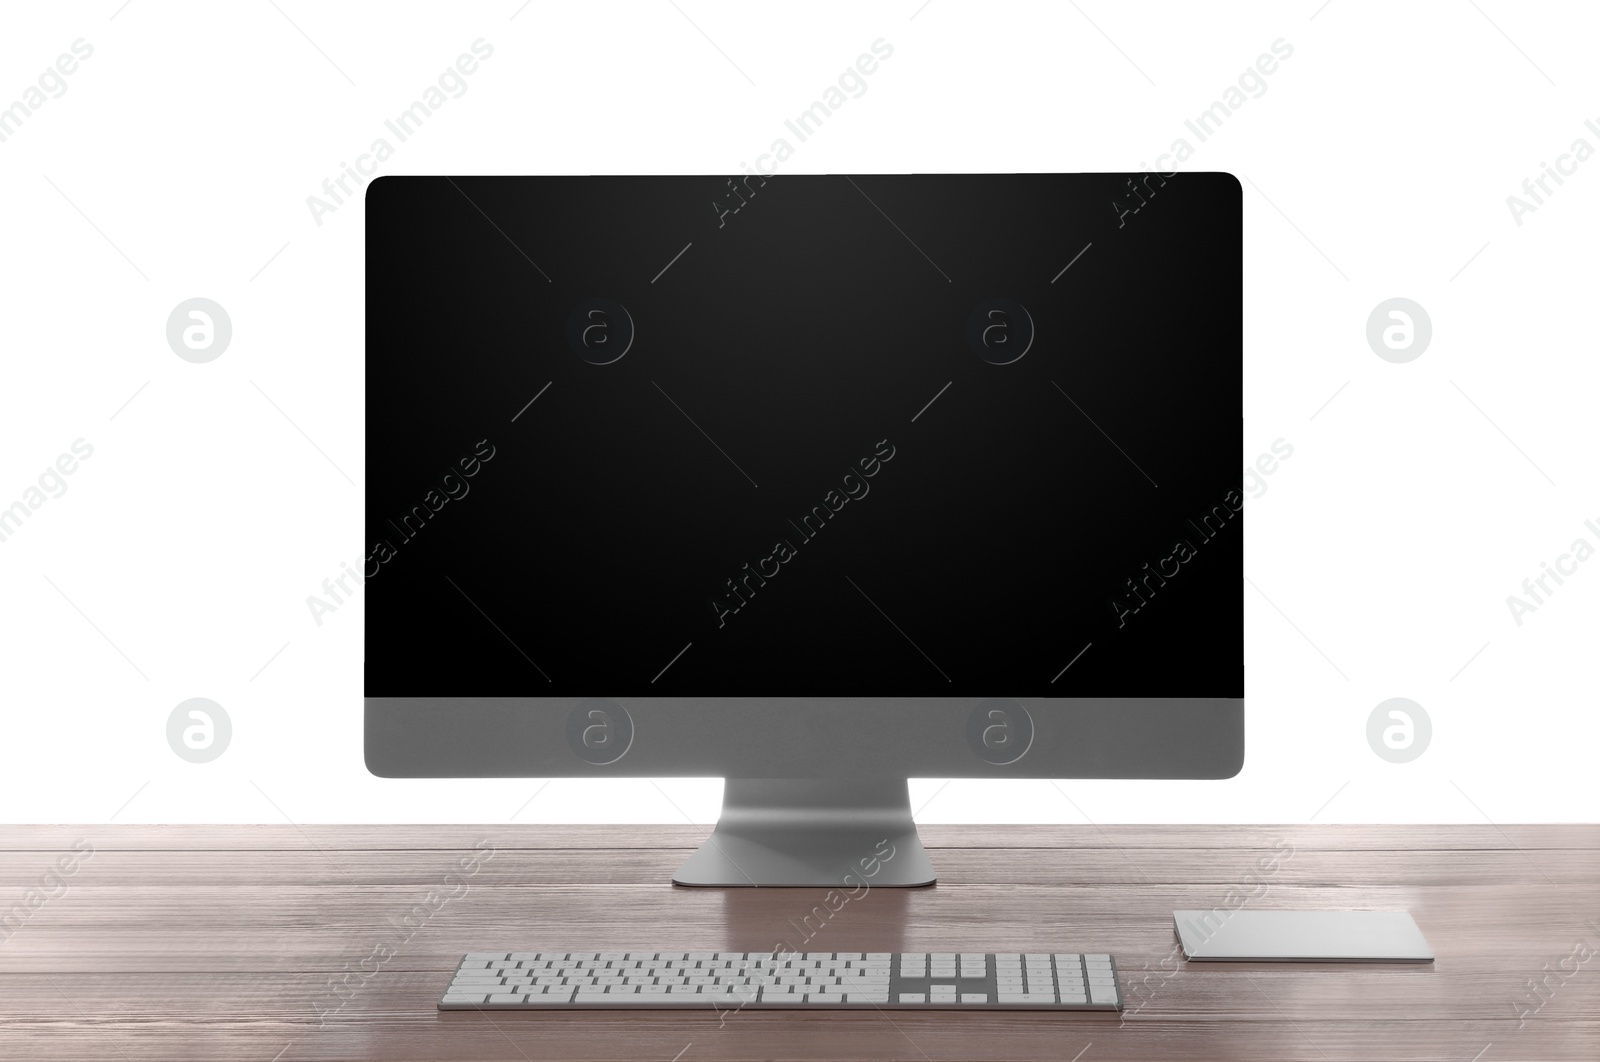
(913, 997)
(974, 997)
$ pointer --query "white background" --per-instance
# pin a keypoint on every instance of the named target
(1377, 164)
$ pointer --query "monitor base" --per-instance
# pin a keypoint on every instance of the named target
(811, 832)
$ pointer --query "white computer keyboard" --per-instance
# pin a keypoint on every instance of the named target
(559, 980)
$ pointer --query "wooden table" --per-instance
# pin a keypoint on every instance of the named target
(334, 942)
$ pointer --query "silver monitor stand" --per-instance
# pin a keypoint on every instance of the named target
(820, 832)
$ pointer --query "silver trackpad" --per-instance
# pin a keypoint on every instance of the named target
(1222, 935)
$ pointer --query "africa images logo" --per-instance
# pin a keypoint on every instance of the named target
(1000, 331)
(600, 331)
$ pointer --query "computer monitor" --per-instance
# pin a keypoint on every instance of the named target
(813, 483)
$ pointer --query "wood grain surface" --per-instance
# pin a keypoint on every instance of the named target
(260, 943)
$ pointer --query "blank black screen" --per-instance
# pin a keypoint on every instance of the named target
(697, 517)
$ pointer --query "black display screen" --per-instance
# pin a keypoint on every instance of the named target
(915, 435)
